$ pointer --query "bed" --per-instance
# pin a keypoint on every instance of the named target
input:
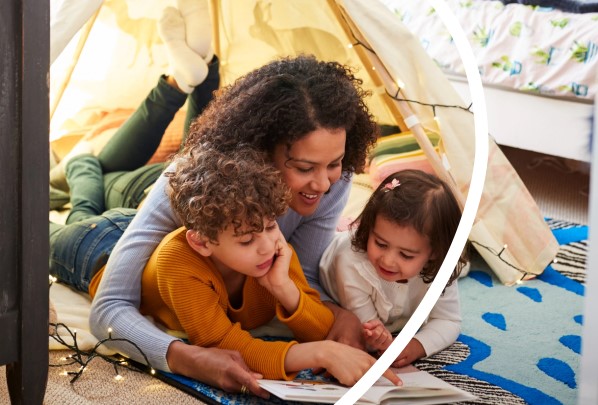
(538, 62)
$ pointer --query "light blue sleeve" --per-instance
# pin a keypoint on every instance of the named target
(116, 304)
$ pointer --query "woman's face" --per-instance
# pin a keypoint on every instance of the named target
(310, 166)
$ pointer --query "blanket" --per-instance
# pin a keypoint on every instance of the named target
(519, 344)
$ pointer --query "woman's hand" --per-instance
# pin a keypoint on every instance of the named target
(224, 369)
(346, 328)
(413, 351)
(377, 337)
(348, 364)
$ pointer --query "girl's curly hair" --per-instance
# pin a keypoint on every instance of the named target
(210, 190)
(422, 201)
(285, 100)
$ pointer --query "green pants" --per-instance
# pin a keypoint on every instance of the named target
(123, 159)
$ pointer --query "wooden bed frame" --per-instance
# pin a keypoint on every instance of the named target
(24, 161)
(551, 125)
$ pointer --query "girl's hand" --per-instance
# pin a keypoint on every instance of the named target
(413, 351)
(377, 337)
(348, 364)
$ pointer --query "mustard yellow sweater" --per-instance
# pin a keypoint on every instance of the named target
(183, 291)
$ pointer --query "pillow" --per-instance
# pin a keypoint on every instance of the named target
(398, 152)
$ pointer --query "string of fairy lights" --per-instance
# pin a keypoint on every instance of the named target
(62, 334)
(82, 358)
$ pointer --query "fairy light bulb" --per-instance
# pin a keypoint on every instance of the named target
(118, 377)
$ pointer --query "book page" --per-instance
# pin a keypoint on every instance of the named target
(419, 387)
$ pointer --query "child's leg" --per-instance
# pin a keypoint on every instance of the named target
(128, 189)
(85, 180)
(137, 139)
(79, 250)
(202, 94)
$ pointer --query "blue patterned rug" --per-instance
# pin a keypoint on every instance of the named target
(519, 344)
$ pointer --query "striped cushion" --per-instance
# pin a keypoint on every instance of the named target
(398, 152)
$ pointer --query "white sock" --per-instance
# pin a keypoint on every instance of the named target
(198, 26)
(187, 67)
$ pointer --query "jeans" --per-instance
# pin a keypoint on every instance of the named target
(79, 250)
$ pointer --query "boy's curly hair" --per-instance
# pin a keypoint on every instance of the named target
(210, 190)
(422, 201)
(284, 100)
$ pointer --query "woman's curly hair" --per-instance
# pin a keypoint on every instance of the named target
(210, 190)
(281, 102)
(422, 201)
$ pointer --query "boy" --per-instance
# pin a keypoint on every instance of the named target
(228, 270)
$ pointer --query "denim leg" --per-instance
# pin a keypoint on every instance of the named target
(79, 250)
(135, 142)
(84, 177)
(202, 95)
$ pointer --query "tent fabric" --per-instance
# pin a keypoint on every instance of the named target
(123, 58)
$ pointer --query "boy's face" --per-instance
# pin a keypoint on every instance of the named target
(251, 254)
(397, 252)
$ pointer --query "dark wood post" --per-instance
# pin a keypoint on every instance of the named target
(24, 162)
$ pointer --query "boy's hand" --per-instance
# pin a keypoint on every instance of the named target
(278, 275)
(376, 336)
(348, 364)
(277, 280)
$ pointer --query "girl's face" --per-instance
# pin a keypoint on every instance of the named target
(310, 166)
(397, 252)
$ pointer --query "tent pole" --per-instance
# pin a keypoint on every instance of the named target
(400, 109)
(76, 55)
(215, 14)
(343, 22)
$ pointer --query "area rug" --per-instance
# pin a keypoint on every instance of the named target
(519, 344)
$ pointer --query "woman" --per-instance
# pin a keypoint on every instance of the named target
(311, 120)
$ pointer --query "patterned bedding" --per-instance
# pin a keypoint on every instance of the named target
(530, 48)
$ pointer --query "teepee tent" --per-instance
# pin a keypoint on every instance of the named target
(122, 58)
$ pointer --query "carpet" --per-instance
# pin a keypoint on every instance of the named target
(519, 344)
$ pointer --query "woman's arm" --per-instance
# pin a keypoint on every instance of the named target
(116, 304)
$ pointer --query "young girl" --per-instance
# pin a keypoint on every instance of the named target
(381, 269)
(228, 270)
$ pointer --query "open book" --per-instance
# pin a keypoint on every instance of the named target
(419, 387)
